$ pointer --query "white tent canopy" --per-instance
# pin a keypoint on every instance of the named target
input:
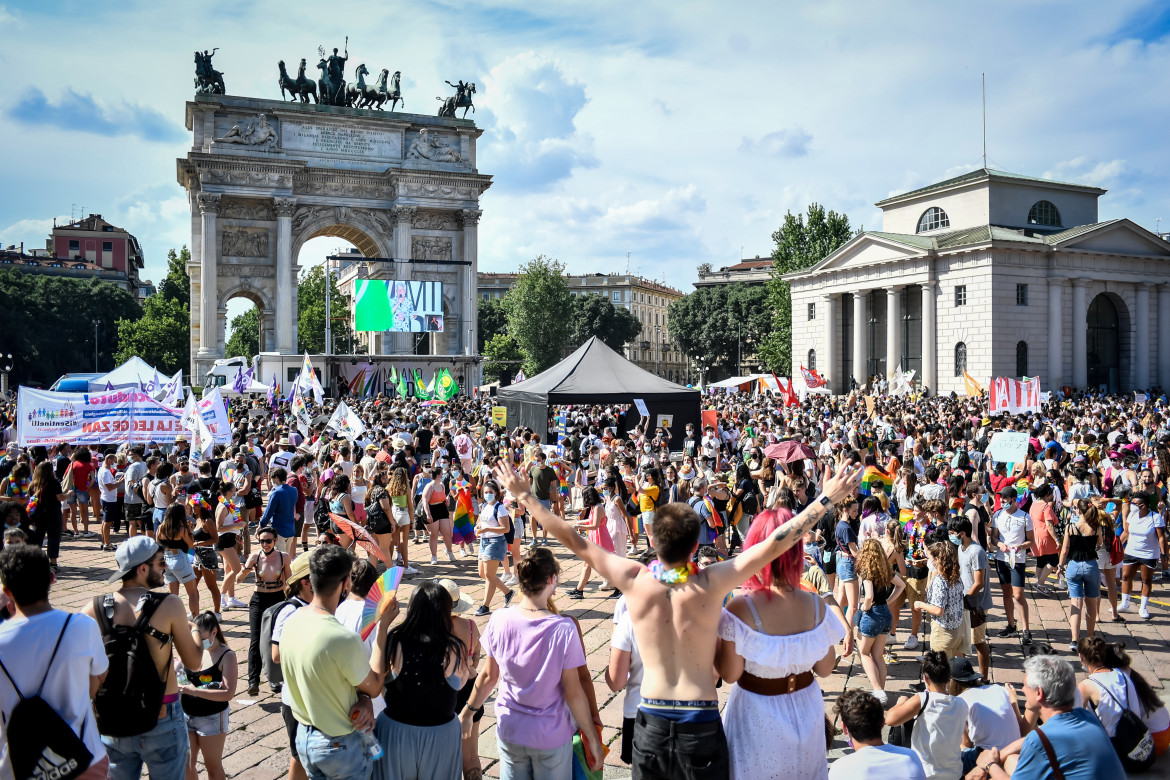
(737, 381)
(135, 372)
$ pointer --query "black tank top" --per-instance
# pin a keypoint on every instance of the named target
(1081, 547)
(197, 706)
(882, 595)
(178, 545)
(419, 695)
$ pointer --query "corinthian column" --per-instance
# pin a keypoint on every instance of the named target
(469, 316)
(403, 216)
(286, 342)
(208, 276)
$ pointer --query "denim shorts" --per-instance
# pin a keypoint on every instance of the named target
(78, 497)
(876, 621)
(178, 567)
(208, 725)
(492, 548)
(647, 519)
(1084, 579)
(325, 757)
(156, 517)
(846, 567)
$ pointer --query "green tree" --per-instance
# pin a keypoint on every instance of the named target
(492, 319)
(595, 315)
(311, 314)
(176, 285)
(501, 347)
(800, 244)
(537, 306)
(161, 336)
(245, 338)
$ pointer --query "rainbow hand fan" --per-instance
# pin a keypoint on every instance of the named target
(379, 598)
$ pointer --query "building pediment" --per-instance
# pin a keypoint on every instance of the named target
(1116, 237)
(870, 249)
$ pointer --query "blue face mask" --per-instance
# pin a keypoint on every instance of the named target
(955, 540)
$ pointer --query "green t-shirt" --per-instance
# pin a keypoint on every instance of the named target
(323, 663)
(542, 480)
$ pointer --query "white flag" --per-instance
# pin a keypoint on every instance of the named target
(174, 390)
(201, 438)
(346, 422)
(307, 379)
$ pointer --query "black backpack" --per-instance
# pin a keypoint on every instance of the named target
(271, 668)
(40, 743)
(321, 513)
(130, 699)
(1132, 740)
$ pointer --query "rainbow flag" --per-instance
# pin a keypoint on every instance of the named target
(875, 481)
(464, 521)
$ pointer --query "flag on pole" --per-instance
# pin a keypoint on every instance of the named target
(243, 380)
(875, 481)
(345, 422)
(973, 388)
(193, 422)
(300, 410)
(401, 383)
(174, 390)
(420, 390)
(446, 386)
(519, 377)
(155, 383)
(431, 385)
(273, 394)
(307, 380)
(1014, 397)
(811, 377)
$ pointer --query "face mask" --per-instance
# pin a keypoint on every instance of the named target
(646, 449)
(455, 473)
(206, 644)
(489, 497)
(955, 540)
(606, 494)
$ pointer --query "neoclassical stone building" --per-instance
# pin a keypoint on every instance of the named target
(995, 273)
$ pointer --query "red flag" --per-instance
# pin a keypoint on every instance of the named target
(811, 377)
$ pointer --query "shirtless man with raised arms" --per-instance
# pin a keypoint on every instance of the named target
(675, 610)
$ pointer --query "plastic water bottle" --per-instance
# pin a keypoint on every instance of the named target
(181, 676)
(372, 746)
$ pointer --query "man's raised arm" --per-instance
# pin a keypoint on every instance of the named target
(728, 575)
(617, 569)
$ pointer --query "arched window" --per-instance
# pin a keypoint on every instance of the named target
(812, 360)
(960, 358)
(1022, 359)
(933, 219)
(1044, 213)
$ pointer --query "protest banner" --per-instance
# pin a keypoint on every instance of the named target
(1008, 447)
(500, 415)
(1013, 396)
(127, 415)
(641, 405)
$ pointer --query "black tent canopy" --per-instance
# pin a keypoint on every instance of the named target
(595, 374)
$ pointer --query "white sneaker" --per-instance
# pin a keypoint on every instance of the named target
(410, 571)
(231, 602)
(434, 561)
(510, 580)
(1144, 614)
(451, 556)
(88, 534)
(882, 697)
(1125, 606)
(218, 617)
(911, 642)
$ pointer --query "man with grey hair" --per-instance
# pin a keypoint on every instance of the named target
(1070, 738)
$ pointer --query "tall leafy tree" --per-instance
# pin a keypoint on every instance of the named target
(800, 244)
(493, 319)
(501, 347)
(311, 314)
(245, 338)
(595, 315)
(720, 324)
(176, 285)
(161, 336)
(48, 324)
(537, 306)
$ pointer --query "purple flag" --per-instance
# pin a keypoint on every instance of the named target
(243, 380)
(272, 393)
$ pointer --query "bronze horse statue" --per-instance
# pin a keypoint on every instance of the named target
(375, 96)
(208, 80)
(356, 91)
(301, 87)
(461, 100)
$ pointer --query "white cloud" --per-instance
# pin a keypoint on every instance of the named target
(781, 143)
(32, 232)
(1082, 170)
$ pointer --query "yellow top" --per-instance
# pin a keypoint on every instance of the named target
(323, 663)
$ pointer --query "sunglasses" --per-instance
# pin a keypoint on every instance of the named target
(267, 541)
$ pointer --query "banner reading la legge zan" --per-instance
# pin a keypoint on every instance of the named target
(108, 417)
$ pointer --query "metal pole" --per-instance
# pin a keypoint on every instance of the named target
(95, 345)
(328, 311)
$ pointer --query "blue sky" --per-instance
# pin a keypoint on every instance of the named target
(677, 132)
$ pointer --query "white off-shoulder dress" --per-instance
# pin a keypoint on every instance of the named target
(778, 737)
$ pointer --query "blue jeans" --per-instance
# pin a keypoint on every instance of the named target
(1084, 579)
(846, 567)
(326, 758)
(518, 762)
(163, 749)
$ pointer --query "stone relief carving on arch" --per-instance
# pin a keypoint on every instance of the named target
(434, 220)
(235, 208)
(430, 248)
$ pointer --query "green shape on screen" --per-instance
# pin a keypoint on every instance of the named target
(372, 311)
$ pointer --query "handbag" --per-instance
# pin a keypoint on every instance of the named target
(1116, 551)
(1132, 740)
(900, 736)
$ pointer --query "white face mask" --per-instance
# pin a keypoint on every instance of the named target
(207, 644)
(489, 497)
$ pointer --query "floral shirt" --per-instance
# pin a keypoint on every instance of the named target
(950, 598)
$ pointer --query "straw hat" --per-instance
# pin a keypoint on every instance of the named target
(459, 602)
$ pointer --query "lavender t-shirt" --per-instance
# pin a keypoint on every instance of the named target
(531, 654)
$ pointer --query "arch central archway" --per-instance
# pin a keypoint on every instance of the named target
(1103, 341)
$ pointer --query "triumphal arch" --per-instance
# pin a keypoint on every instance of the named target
(265, 176)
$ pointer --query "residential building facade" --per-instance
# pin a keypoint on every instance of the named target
(646, 299)
(751, 270)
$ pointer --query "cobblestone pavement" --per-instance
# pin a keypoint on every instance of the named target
(256, 749)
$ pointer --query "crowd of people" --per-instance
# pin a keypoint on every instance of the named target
(758, 552)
